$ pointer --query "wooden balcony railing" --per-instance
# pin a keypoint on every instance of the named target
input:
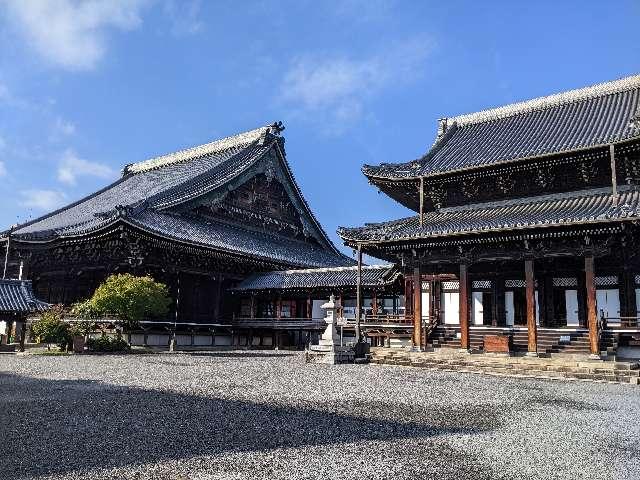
(618, 322)
(279, 323)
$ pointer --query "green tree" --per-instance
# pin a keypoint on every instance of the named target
(130, 298)
(50, 328)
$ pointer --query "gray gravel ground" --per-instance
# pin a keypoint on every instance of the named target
(237, 415)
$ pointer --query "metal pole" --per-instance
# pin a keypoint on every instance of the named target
(359, 295)
(6, 256)
(172, 345)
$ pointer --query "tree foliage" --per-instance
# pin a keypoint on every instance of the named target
(50, 328)
(130, 298)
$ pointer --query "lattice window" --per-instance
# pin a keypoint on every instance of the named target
(454, 285)
(565, 282)
(637, 279)
(515, 283)
(607, 281)
(481, 284)
(426, 286)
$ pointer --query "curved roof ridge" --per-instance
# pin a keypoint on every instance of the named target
(539, 103)
(234, 141)
(333, 269)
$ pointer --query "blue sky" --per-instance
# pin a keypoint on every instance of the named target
(87, 87)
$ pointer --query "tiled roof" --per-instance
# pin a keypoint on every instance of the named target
(574, 120)
(590, 206)
(147, 189)
(16, 296)
(372, 275)
(238, 240)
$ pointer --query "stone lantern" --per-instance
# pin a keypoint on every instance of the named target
(329, 349)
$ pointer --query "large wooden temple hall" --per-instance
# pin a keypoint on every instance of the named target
(200, 220)
(526, 225)
(525, 228)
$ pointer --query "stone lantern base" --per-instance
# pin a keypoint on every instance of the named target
(329, 355)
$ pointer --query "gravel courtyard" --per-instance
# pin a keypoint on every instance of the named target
(236, 415)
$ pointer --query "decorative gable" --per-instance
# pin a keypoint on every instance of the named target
(258, 203)
(264, 197)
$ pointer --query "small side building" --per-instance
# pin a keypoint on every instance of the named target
(17, 303)
(283, 308)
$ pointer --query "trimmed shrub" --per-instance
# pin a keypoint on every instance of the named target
(107, 344)
(129, 297)
(50, 328)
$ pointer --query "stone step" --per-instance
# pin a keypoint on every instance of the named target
(529, 373)
(612, 372)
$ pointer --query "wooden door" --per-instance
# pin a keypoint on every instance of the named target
(509, 310)
(477, 310)
(571, 302)
(451, 307)
(608, 300)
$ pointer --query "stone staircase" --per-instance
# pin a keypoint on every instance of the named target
(549, 341)
(444, 336)
(575, 367)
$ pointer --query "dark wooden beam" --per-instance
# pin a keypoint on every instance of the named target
(592, 314)
(531, 307)
(464, 306)
(417, 307)
(359, 296)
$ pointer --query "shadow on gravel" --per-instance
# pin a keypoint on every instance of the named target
(240, 354)
(565, 403)
(54, 427)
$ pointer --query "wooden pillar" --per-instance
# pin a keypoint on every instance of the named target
(408, 298)
(253, 306)
(374, 303)
(417, 308)
(498, 319)
(309, 307)
(628, 306)
(542, 296)
(530, 286)
(592, 314)
(23, 334)
(359, 295)
(279, 307)
(217, 308)
(464, 306)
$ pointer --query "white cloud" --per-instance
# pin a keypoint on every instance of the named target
(63, 127)
(71, 167)
(72, 33)
(43, 199)
(3, 169)
(340, 86)
(184, 16)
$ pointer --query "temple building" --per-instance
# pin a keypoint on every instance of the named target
(17, 303)
(291, 300)
(525, 226)
(200, 220)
